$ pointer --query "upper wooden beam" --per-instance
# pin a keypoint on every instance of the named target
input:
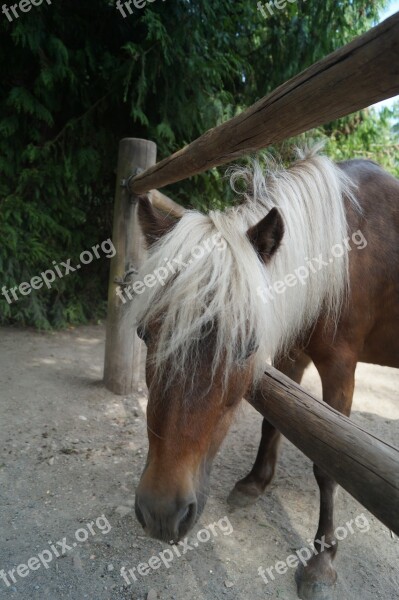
(353, 77)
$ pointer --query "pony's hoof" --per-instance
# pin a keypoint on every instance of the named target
(242, 496)
(313, 587)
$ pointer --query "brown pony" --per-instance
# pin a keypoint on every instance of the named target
(305, 268)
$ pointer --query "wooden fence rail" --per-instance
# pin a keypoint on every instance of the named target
(363, 465)
(355, 76)
(166, 204)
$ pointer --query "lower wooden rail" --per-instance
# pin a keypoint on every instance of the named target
(362, 464)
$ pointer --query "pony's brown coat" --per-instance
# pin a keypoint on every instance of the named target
(184, 441)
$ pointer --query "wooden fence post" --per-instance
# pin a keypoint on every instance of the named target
(122, 346)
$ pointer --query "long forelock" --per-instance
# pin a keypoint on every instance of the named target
(220, 289)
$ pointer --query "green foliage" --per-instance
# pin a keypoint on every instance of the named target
(367, 134)
(76, 77)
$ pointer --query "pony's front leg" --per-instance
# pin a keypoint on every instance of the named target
(316, 580)
(247, 490)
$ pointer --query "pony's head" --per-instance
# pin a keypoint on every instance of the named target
(219, 295)
(200, 320)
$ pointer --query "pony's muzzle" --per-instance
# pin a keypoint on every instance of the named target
(165, 519)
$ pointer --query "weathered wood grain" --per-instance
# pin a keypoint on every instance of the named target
(122, 346)
(355, 76)
(362, 464)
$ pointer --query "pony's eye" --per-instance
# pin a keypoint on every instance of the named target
(143, 335)
(207, 328)
(252, 347)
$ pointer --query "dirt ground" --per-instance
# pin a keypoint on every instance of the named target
(73, 452)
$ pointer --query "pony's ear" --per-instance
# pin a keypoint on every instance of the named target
(153, 222)
(266, 235)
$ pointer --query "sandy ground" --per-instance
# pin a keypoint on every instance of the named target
(72, 452)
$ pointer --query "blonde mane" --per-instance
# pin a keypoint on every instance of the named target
(224, 290)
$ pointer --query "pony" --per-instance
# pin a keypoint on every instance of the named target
(304, 268)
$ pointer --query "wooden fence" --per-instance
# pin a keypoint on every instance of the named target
(355, 76)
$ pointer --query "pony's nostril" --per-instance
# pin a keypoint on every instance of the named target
(139, 514)
(165, 520)
(187, 518)
(185, 514)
